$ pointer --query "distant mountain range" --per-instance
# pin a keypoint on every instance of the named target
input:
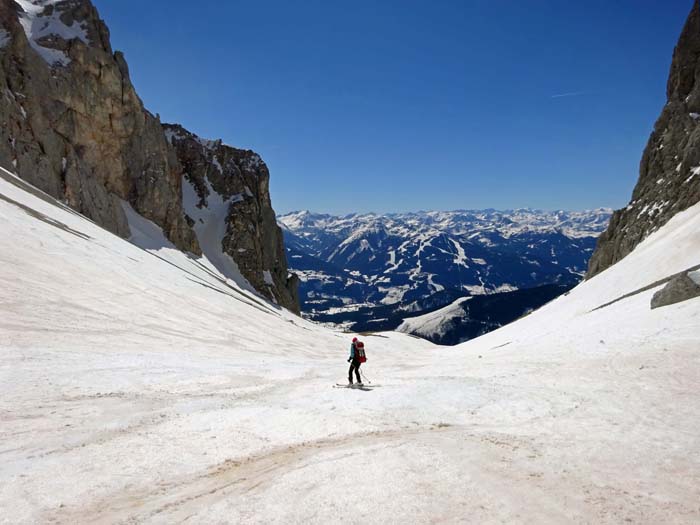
(369, 271)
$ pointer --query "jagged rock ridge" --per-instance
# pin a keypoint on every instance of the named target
(669, 173)
(72, 124)
(220, 179)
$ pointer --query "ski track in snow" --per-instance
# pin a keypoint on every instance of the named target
(141, 386)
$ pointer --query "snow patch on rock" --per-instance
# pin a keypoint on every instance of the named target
(267, 277)
(38, 26)
(210, 227)
(5, 38)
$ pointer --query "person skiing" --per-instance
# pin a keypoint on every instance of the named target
(354, 361)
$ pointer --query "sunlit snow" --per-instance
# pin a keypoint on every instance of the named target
(137, 385)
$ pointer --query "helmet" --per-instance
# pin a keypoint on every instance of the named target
(354, 339)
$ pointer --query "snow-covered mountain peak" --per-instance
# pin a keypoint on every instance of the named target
(303, 219)
(573, 223)
(402, 259)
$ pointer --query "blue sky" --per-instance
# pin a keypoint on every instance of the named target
(399, 105)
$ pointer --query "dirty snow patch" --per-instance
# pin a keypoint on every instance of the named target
(693, 172)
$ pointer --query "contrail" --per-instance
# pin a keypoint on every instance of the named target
(572, 94)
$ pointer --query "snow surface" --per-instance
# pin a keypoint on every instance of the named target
(393, 295)
(38, 25)
(139, 386)
(434, 323)
(461, 257)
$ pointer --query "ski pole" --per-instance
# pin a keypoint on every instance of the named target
(365, 377)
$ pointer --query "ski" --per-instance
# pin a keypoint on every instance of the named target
(356, 387)
(368, 385)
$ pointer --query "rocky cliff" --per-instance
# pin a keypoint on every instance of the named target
(669, 173)
(227, 200)
(72, 124)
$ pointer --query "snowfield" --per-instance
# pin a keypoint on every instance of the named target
(143, 386)
(437, 322)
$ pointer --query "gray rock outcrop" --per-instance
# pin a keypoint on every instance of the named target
(72, 124)
(680, 288)
(669, 173)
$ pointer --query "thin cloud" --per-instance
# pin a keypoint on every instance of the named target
(571, 94)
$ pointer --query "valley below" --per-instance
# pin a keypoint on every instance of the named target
(369, 272)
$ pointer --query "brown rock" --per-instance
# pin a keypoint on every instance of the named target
(79, 131)
(680, 288)
(251, 235)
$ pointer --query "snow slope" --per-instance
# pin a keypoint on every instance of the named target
(436, 322)
(143, 386)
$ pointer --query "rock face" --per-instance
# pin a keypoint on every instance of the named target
(72, 124)
(680, 288)
(669, 174)
(227, 200)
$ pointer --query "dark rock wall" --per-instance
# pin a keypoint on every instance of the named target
(669, 172)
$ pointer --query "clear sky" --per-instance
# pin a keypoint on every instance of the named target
(399, 105)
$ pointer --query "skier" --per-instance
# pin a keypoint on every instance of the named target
(354, 360)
